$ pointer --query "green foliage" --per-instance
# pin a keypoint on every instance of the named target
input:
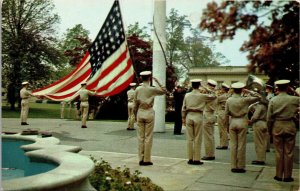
(105, 177)
(29, 49)
(184, 52)
(75, 43)
(273, 44)
(136, 30)
(36, 110)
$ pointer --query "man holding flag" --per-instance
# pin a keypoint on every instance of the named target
(106, 67)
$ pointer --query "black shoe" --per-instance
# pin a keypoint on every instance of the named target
(238, 170)
(288, 179)
(268, 150)
(24, 123)
(146, 163)
(277, 178)
(178, 133)
(208, 158)
(222, 148)
(129, 129)
(241, 170)
(197, 162)
(141, 163)
(258, 162)
(190, 161)
(83, 126)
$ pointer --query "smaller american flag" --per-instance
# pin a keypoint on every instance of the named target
(106, 67)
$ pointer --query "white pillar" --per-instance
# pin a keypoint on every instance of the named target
(159, 62)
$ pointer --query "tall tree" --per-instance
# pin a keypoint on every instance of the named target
(176, 25)
(29, 45)
(273, 45)
(75, 44)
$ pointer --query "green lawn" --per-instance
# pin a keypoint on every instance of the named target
(36, 110)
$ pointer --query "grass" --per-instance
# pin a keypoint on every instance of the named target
(43, 110)
(36, 110)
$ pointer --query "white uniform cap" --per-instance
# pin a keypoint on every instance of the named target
(269, 86)
(282, 82)
(196, 80)
(132, 84)
(225, 85)
(238, 85)
(145, 73)
(24, 83)
(212, 82)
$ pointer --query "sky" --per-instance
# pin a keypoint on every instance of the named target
(92, 13)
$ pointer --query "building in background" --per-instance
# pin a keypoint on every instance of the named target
(227, 74)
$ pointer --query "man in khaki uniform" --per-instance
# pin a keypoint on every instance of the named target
(260, 130)
(130, 97)
(192, 117)
(144, 115)
(221, 101)
(209, 120)
(236, 109)
(281, 110)
(25, 95)
(84, 103)
(270, 95)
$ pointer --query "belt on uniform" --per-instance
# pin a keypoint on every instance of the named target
(194, 110)
(238, 117)
(287, 119)
(145, 106)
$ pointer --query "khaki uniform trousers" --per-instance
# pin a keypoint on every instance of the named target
(130, 115)
(145, 122)
(208, 132)
(260, 132)
(24, 110)
(84, 107)
(238, 140)
(222, 129)
(284, 134)
(194, 135)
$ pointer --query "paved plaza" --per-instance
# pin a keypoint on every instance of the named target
(111, 141)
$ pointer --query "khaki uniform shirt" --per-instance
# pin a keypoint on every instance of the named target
(237, 106)
(84, 95)
(260, 112)
(282, 107)
(195, 101)
(24, 93)
(221, 101)
(130, 95)
(144, 98)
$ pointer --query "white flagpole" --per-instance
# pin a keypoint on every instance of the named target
(159, 62)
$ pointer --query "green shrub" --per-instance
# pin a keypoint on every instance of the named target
(105, 177)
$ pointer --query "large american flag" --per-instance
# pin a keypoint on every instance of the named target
(106, 66)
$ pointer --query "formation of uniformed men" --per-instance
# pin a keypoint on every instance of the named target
(272, 113)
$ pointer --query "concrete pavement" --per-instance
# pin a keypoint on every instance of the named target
(112, 142)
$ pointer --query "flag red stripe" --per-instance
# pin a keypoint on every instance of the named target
(106, 86)
(120, 88)
(61, 97)
(76, 81)
(66, 77)
(108, 70)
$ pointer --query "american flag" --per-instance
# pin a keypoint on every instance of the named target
(106, 66)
